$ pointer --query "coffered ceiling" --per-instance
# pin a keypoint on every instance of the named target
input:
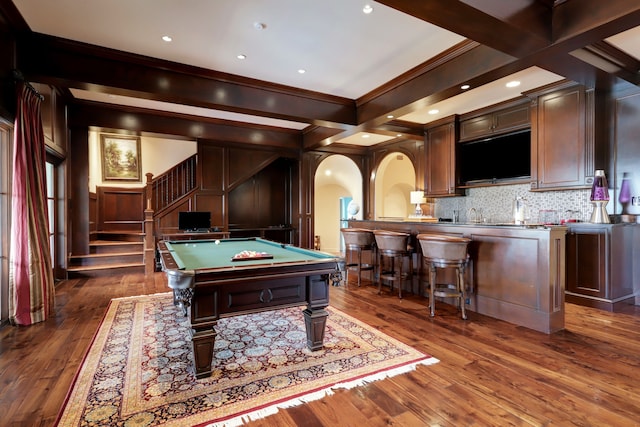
(387, 63)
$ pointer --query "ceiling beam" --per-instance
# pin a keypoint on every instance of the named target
(580, 23)
(536, 33)
(523, 27)
(515, 27)
(142, 121)
(508, 37)
(474, 65)
(77, 65)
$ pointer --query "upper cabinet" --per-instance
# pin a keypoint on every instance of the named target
(562, 138)
(500, 119)
(440, 153)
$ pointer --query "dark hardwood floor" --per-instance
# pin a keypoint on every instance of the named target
(491, 373)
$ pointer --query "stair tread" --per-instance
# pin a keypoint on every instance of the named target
(104, 267)
(133, 233)
(112, 243)
(107, 255)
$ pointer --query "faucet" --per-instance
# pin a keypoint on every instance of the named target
(474, 215)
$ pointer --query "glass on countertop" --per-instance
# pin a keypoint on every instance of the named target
(474, 216)
(548, 217)
(570, 216)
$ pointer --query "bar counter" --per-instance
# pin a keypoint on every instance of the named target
(516, 273)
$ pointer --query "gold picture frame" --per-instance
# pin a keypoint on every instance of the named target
(120, 158)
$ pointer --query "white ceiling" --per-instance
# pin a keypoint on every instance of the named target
(344, 51)
(627, 41)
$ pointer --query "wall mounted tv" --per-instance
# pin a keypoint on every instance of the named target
(194, 221)
(501, 158)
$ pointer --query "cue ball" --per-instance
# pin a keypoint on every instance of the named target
(217, 242)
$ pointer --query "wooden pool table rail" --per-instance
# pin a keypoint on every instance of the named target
(210, 294)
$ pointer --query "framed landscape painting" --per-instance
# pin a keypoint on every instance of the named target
(120, 157)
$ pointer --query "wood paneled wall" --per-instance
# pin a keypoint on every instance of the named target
(121, 209)
(241, 187)
(264, 199)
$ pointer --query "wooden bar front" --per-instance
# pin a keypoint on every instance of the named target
(516, 274)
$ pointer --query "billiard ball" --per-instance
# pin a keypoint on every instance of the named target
(217, 242)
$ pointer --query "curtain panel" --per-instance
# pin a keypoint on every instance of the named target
(31, 282)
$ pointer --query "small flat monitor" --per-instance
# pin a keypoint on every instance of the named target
(194, 221)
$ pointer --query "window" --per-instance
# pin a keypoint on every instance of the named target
(5, 210)
(51, 208)
(55, 209)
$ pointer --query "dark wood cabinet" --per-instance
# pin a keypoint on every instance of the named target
(440, 152)
(505, 119)
(599, 267)
(562, 139)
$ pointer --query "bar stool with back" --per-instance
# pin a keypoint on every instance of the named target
(357, 240)
(441, 251)
(394, 246)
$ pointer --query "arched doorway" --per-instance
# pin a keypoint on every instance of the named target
(337, 177)
(395, 178)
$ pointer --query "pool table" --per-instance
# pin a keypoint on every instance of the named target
(210, 282)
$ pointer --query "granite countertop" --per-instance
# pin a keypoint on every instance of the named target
(468, 224)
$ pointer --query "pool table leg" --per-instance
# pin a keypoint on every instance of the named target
(203, 341)
(182, 299)
(315, 321)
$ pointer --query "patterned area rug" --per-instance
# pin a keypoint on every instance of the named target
(138, 371)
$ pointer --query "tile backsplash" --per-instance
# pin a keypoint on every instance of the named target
(496, 203)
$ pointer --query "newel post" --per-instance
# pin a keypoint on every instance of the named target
(149, 233)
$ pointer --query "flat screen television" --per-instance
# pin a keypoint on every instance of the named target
(194, 221)
(495, 159)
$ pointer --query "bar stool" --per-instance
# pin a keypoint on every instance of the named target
(394, 246)
(358, 240)
(440, 251)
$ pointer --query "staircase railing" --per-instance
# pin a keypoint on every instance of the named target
(170, 186)
(161, 192)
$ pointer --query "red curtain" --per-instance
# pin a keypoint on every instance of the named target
(31, 283)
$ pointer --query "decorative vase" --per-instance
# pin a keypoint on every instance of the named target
(625, 193)
(600, 198)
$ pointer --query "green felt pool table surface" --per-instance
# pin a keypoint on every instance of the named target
(207, 254)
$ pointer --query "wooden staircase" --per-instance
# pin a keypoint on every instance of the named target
(112, 252)
(119, 219)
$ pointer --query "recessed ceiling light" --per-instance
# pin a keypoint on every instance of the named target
(366, 135)
(399, 135)
(167, 38)
(513, 83)
(465, 87)
(259, 26)
(367, 9)
(302, 71)
(390, 116)
(434, 111)
(327, 172)
(241, 56)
